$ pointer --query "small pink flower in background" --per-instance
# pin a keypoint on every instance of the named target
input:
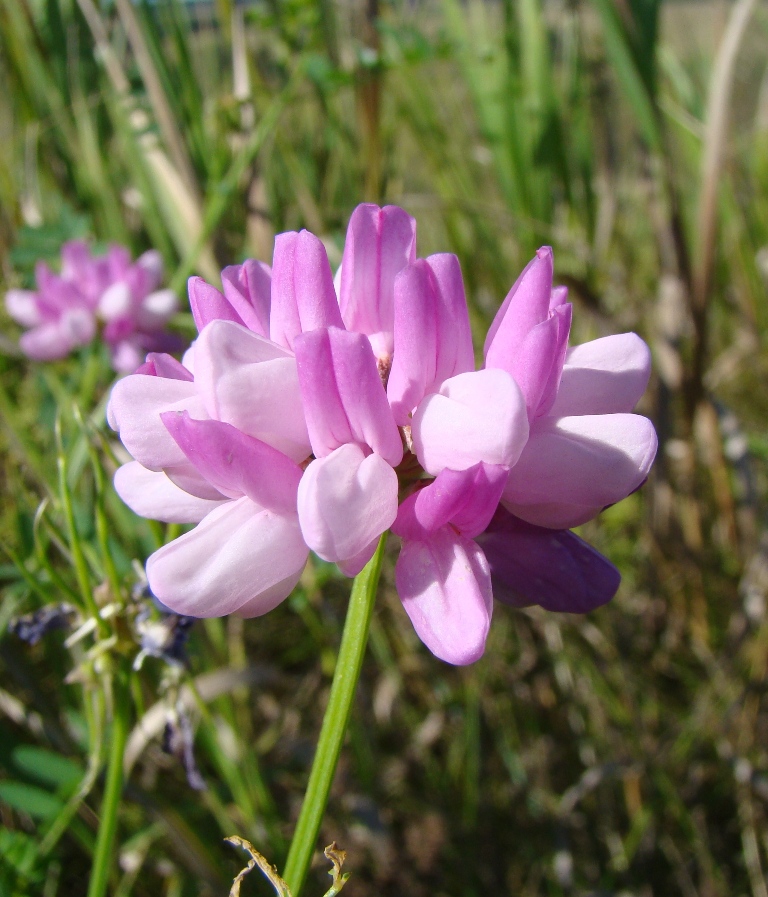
(65, 310)
(305, 418)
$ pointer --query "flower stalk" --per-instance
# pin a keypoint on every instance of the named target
(353, 643)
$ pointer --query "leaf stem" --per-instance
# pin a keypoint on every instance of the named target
(350, 659)
(102, 856)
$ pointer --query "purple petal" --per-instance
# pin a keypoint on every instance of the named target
(208, 304)
(479, 416)
(236, 464)
(21, 305)
(239, 558)
(252, 383)
(432, 338)
(526, 305)
(247, 288)
(445, 586)
(149, 493)
(605, 376)
(379, 243)
(553, 568)
(303, 296)
(346, 500)
(466, 499)
(572, 467)
(344, 400)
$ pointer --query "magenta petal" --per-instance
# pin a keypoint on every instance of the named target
(160, 364)
(303, 296)
(247, 288)
(236, 464)
(466, 499)
(345, 501)
(479, 416)
(432, 337)
(445, 586)
(239, 557)
(379, 243)
(344, 400)
(526, 305)
(605, 376)
(553, 568)
(252, 383)
(572, 467)
(150, 493)
(208, 304)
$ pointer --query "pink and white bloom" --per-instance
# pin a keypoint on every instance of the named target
(300, 418)
(586, 450)
(65, 310)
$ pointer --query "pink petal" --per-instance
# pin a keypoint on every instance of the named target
(75, 327)
(526, 305)
(344, 400)
(252, 383)
(466, 499)
(151, 494)
(352, 566)
(572, 467)
(247, 288)
(605, 376)
(160, 364)
(346, 500)
(21, 305)
(379, 243)
(152, 263)
(135, 406)
(552, 568)
(303, 296)
(479, 416)
(432, 337)
(236, 464)
(239, 557)
(445, 587)
(208, 304)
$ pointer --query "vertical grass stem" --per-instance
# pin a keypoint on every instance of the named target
(353, 642)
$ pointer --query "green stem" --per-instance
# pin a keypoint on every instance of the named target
(348, 664)
(105, 841)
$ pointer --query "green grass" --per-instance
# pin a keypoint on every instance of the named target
(622, 753)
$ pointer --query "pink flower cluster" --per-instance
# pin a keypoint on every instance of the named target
(313, 414)
(63, 312)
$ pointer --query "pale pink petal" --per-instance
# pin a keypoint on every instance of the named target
(605, 376)
(21, 305)
(116, 301)
(236, 464)
(75, 327)
(252, 383)
(445, 587)
(135, 407)
(150, 493)
(479, 416)
(126, 357)
(189, 479)
(156, 309)
(379, 243)
(345, 501)
(152, 263)
(247, 289)
(526, 305)
(344, 400)
(303, 296)
(239, 556)
(352, 566)
(572, 467)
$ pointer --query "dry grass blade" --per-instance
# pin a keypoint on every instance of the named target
(256, 860)
(714, 142)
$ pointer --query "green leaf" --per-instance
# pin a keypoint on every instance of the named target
(29, 799)
(47, 767)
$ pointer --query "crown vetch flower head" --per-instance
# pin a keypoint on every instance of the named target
(64, 311)
(305, 421)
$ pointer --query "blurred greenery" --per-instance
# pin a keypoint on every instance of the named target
(623, 753)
